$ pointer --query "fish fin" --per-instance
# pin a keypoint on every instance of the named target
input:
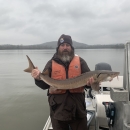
(46, 72)
(53, 87)
(110, 80)
(31, 66)
(95, 86)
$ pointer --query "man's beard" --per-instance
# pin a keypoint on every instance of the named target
(66, 56)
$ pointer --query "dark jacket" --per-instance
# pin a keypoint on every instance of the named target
(66, 106)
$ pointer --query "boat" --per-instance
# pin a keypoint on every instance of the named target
(108, 109)
(91, 104)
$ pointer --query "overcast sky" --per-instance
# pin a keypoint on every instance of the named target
(87, 21)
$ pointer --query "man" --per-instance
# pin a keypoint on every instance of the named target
(67, 107)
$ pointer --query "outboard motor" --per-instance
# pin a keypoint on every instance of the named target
(103, 66)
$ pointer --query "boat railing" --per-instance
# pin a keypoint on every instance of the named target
(48, 124)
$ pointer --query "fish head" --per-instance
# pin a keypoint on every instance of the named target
(106, 76)
(113, 75)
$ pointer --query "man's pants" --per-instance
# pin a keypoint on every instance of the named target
(78, 124)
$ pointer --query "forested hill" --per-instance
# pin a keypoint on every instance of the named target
(53, 45)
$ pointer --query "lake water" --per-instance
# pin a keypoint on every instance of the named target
(24, 106)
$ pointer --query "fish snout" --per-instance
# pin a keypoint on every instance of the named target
(115, 74)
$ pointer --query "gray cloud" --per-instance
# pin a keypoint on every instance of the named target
(87, 21)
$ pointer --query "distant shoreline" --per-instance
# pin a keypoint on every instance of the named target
(44, 46)
(55, 49)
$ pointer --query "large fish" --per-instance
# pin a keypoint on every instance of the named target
(76, 82)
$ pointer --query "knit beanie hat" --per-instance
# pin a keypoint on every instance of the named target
(65, 39)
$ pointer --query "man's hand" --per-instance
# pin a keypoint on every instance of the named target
(90, 82)
(94, 86)
(35, 73)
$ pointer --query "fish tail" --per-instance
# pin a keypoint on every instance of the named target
(31, 66)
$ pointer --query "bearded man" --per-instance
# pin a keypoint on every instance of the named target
(67, 107)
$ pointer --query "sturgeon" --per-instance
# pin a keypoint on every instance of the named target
(76, 82)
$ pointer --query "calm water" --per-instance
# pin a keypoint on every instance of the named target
(24, 106)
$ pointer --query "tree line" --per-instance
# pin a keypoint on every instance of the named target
(41, 46)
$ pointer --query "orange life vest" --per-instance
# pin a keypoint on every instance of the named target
(59, 72)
